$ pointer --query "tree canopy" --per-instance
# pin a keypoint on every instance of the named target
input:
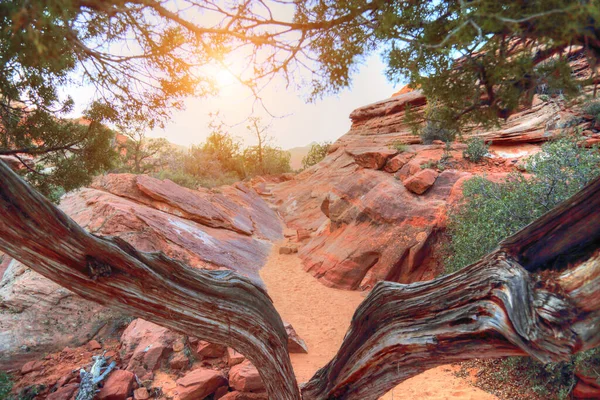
(478, 60)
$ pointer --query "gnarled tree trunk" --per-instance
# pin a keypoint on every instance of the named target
(220, 306)
(538, 295)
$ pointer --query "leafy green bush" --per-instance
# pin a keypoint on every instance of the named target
(179, 177)
(399, 146)
(476, 149)
(434, 130)
(317, 152)
(592, 108)
(5, 385)
(492, 211)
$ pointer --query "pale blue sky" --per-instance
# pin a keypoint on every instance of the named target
(326, 119)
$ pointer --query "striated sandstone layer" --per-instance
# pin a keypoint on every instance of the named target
(371, 213)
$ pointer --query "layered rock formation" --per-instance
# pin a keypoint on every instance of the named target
(232, 228)
(376, 212)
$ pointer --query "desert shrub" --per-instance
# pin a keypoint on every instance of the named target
(492, 211)
(476, 149)
(399, 146)
(317, 152)
(179, 177)
(592, 108)
(5, 385)
(434, 130)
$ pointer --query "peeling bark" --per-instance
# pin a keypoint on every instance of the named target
(538, 294)
(220, 306)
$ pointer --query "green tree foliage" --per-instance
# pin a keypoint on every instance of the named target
(140, 154)
(266, 161)
(478, 60)
(5, 385)
(492, 211)
(317, 152)
(476, 149)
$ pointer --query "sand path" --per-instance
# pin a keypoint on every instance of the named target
(321, 316)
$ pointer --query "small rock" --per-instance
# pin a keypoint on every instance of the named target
(244, 396)
(118, 386)
(295, 343)
(200, 383)
(421, 181)
(288, 249)
(93, 345)
(245, 378)
(302, 234)
(234, 358)
(395, 163)
(179, 361)
(210, 350)
(141, 394)
(289, 233)
(220, 392)
(64, 393)
(32, 366)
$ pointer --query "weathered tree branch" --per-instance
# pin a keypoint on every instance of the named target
(537, 295)
(220, 306)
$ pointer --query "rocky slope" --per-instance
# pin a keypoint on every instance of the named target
(232, 228)
(376, 213)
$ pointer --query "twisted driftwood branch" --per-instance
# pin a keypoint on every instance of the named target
(90, 380)
(220, 306)
(537, 295)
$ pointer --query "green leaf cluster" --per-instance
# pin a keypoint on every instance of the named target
(317, 152)
(492, 211)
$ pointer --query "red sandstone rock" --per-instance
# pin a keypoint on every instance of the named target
(199, 383)
(421, 181)
(179, 361)
(118, 386)
(233, 357)
(141, 394)
(295, 343)
(244, 377)
(32, 366)
(93, 345)
(372, 158)
(145, 345)
(64, 393)
(240, 226)
(395, 163)
(288, 249)
(210, 350)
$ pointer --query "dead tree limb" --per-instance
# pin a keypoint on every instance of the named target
(220, 306)
(90, 379)
(537, 295)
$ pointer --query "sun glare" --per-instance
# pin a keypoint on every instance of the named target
(224, 79)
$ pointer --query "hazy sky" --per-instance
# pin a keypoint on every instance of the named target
(326, 119)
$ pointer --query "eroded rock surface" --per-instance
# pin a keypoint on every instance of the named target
(228, 228)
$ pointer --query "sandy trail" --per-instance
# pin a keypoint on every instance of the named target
(321, 316)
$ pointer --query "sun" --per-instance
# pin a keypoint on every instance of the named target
(224, 78)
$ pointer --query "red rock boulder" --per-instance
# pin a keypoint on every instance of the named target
(244, 377)
(420, 182)
(118, 386)
(145, 345)
(199, 383)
